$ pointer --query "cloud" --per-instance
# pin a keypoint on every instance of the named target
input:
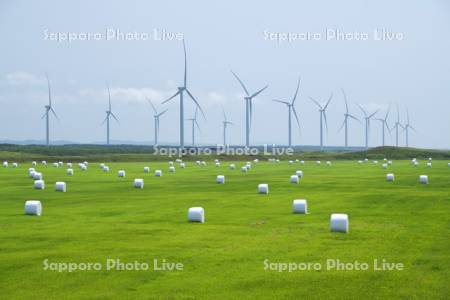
(23, 78)
(126, 94)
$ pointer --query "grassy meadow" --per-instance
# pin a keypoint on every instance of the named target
(102, 216)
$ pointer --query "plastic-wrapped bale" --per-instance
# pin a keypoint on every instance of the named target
(294, 179)
(34, 163)
(248, 167)
(366, 159)
(217, 164)
(339, 223)
(290, 162)
(171, 169)
(60, 186)
(385, 159)
(233, 166)
(196, 214)
(318, 162)
(146, 170)
(299, 173)
(430, 158)
(86, 163)
(33, 207)
(448, 164)
(216, 160)
(328, 163)
(182, 165)
(244, 169)
(178, 160)
(83, 167)
(60, 163)
(384, 166)
(170, 163)
(37, 176)
(416, 163)
(203, 163)
(69, 165)
(277, 160)
(139, 183)
(31, 172)
(256, 160)
(390, 177)
(263, 188)
(375, 162)
(220, 179)
(389, 162)
(39, 184)
(56, 165)
(423, 179)
(428, 164)
(121, 173)
(69, 172)
(302, 162)
(105, 169)
(102, 165)
(15, 165)
(300, 206)
(360, 162)
(158, 173)
(198, 163)
(296, 160)
(44, 163)
(5, 164)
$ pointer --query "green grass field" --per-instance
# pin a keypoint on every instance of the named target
(102, 216)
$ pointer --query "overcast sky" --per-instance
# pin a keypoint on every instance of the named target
(410, 67)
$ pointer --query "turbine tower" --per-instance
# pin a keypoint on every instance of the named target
(384, 125)
(194, 124)
(248, 108)
(225, 123)
(323, 117)
(180, 92)
(397, 125)
(407, 127)
(367, 123)
(48, 109)
(345, 123)
(291, 109)
(156, 117)
(109, 114)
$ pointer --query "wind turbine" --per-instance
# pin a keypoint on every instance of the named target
(384, 125)
(194, 124)
(180, 92)
(225, 123)
(346, 116)
(291, 109)
(323, 116)
(48, 109)
(396, 126)
(407, 127)
(248, 108)
(109, 114)
(367, 119)
(156, 117)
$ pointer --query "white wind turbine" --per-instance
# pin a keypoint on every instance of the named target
(396, 126)
(225, 123)
(48, 109)
(194, 124)
(109, 114)
(384, 125)
(346, 116)
(291, 109)
(407, 127)
(323, 117)
(248, 109)
(367, 123)
(180, 92)
(156, 118)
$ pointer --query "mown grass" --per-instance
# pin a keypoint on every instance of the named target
(102, 216)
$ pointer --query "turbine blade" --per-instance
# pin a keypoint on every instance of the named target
(242, 84)
(161, 113)
(196, 102)
(153, 106)
(326, 122)
(185, 64)
(258, 92)
(328, 102)
(49, 91)
(317, 103)
(112, 114)
(345, 99)
(387, 113)
(284, 102)
(174, 95)
(354, 118)
(198, 126)
(43, 116)
(374, 113)
(413, 129)
(407, 115)
(109, 95)
(251, 111)
(362, 109)
(296, 116)
(54, 113)
(104, 120)
(342, 126)
(224, 115)
(296, 91)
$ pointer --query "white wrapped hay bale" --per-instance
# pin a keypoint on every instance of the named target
(55, 165)
(60, 163)
(328, 163)
(300, 206)
(233, 166)
(318, 162)
(86, 163)
(302, 162)
(198, 163)
(69, 165)
(428, 165)
(290, 162)
(15, 165)
(178, 160)
(34, 163)
(121, 173)
(182, 165)
(38, 176)
(448, 164)
(339, 223)
(83, 167)
(220, 179)
(5, 164)
(146, 170)
(60, 186)
(385, 159)
(299, 173)
(44, 163)
(294, 179)
(375, 162)
(366, 159)
(158, 173)
(203, 163)
(106, 169)
(423, 179)
(102, 165)
(69, 172)
(248, 167)
(360, 162)
(139, 183)
(430, 159)
(196, 214)
(31, 172)
(256, 160)
(416, 163)
(390, 177)
(33, 207)
(389, 162)
(263, 188)
(384, 166)
(277, 160)
(217, 164)
(170, 163)
(171, 169)
(216, 160)
(244, 169)
(39, 184)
